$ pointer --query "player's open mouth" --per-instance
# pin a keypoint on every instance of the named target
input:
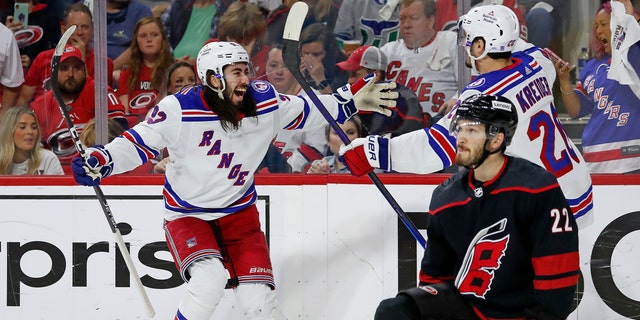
(239, 92)
(604, 41)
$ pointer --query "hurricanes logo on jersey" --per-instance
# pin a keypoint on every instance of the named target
(482, 260)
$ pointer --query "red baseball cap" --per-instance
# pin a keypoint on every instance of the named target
(71, 52)
(364, 57)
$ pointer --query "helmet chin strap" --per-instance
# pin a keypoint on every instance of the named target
(485, 154)
(473, 59)
(216, 90)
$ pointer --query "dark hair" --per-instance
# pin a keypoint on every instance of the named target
(229, 115)
(319, 32)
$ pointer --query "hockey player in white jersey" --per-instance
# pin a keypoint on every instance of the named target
(216, 135)
(489, 35)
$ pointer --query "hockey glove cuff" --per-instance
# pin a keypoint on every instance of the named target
(363, 155)
(97, 165)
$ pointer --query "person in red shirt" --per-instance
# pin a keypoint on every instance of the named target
(142, 79)
(36, 81)
(78, 92)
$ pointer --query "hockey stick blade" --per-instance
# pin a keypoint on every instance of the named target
(291, 57)
(55, 87)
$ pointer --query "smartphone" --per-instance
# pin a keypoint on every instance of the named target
(554, 57)
(21, 13)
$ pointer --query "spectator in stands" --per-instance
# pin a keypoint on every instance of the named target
(545, 20)
(244, 24)
(78, 92)
(197, 18)
(142, 79)
(299, 148)
(611, 138)
(424, 60)
(122, 17)
(319, 54)
(11, 76)
(407, 115)
(276, 20)
(41, 34)
(36, 81)
(179, 75)
(20, 151)
(331, 164)
(320, 11)
(361, 20)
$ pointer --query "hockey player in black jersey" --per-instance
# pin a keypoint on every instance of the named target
(502, 242)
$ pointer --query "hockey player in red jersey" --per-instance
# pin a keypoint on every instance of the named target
(216, 135)
(501, 240)
(490, 36)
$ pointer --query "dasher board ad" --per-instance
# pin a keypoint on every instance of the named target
(337, 249)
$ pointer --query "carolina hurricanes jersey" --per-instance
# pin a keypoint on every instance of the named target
(211, 172)
(539, 137)
(143, 96)
(430, 71)
(40, 71)
(507, 244)
(55, 133)
(611, 138)
(360, 20)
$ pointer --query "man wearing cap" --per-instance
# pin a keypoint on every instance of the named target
(78, 92)
(36, 81)
(407, 115)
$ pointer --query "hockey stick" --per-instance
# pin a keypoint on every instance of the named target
(55, 86)
(291, 56)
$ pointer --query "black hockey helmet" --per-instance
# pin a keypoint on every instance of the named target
(496, 112)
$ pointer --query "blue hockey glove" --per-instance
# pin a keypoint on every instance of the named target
(97, 166)
(363, 155)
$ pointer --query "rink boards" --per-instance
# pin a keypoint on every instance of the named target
(336, 245)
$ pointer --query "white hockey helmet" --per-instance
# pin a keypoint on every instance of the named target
(215, 56)
(496, 24)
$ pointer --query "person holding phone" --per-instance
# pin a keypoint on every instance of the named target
(34, 27)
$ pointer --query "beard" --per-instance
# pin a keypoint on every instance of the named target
(469, 157)
(72, 86)
(230, 115)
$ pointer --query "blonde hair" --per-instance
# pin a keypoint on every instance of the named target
(242, 22)
(88, 135)
(8, 126)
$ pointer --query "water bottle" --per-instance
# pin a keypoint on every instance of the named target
(582, 60)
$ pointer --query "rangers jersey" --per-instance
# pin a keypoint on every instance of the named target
(211, 172)
(430, 71)
(539, 138)
(611, 138)
(507, 244)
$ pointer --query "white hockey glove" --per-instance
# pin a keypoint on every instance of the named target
(363, 155)
(97, 166)
(370, 96)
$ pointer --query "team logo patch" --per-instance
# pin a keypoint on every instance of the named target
(28, 36)
(260, 86)
(430, 290)
(476, 83)
(191, 242)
